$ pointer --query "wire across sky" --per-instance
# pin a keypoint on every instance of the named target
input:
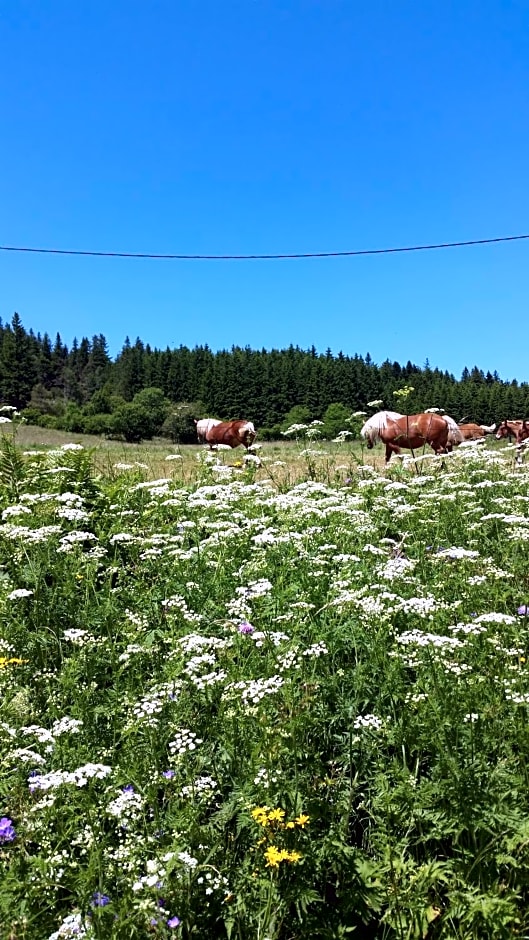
(264, 257)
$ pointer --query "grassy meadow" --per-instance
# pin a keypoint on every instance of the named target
(272, 701)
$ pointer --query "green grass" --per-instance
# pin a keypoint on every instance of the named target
(262, 702)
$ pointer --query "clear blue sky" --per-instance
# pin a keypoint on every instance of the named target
(270, 126)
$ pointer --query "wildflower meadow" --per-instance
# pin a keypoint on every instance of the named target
(244, 706)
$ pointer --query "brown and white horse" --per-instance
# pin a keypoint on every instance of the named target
(517, 429)
(231, 433)
(410, 431)
(469, 432)
(474, 432)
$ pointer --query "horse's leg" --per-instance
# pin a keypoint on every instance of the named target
(391, 449)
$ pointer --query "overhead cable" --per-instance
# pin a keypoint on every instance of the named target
(264, 257)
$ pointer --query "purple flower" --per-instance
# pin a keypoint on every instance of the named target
(245, 627)
(174, 922)
(128, 789)
(100, 900)
(523, 610)
(168, 774)
(7, 830)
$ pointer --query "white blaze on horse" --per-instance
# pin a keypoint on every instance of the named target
(230, 433)
(411, 431)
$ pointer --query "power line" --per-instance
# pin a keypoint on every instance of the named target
(277, 257)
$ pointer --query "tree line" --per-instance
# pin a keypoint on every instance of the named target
(146, 391)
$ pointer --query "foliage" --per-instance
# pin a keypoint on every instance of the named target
(267, 387)
(179, 425)
(230, 710)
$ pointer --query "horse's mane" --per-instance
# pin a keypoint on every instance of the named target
(377, 423)
(452, 425)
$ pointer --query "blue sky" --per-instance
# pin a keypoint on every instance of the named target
(270, 126)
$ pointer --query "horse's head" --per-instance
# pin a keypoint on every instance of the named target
(503, 430)
(247, 434)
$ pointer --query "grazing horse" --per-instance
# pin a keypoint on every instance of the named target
(517, 429)
(232, 433)
(410, 431)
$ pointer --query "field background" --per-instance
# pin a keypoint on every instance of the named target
(270, 702)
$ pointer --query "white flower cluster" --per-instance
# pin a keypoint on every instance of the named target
(73, 926)
(213, 882)
(275, 637)
(254, 690)
(195, 641)
(184, 740)
(195, 665)
(29, 536)
(367, 721)
(201, 788)
(289, 660)
(418, 638)
(73, 514)
(188, 860)
(456, 553)
(133, 648)
(316, 650)
(264, 778)
(75, 537)
(152, 703)
(180, 604)
(26, 756)
(78, 637)
(78, 777)
(66, 725)
(395, 568)
(15, 511)
(137, 619)
(127, 805)
(18, 594)
(495, 618)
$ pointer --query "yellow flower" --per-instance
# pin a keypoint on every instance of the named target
(294, 856)
(260, 815)
(276, 815)
(273, 857)
(290, 825)
(302, 819)
(15, 661)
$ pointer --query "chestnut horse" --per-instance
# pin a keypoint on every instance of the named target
(517, 429)
(232, 433)
(470, 432)
(410, 431)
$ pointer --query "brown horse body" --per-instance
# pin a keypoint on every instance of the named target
(409, 431)
(230, 433)
(474, 432)
(517, 429)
